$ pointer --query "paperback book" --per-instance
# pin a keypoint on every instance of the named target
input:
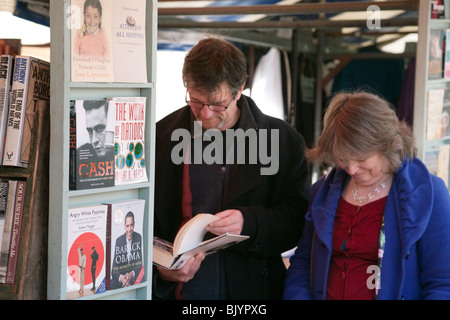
(7, 228)
(86, 256)
(435, 108)
(108, 41)
(189, 241)
(447, 54)
(445, 117)
(16, 225)
(30, 83)
(6, 70)
(91, 149)
(436, 56)
(125, 244)
(437, 9)
(129, 142)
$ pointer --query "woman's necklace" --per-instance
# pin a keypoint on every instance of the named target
(370, 195)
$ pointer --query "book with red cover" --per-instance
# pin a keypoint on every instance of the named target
(15, 232)
(86, 238)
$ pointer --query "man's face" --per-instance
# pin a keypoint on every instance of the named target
(129, 227)
(221, 120)
(96, 125)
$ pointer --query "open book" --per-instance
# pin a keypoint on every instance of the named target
(189, 241)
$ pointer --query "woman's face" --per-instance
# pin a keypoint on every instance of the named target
(368, 171)
(92, 19)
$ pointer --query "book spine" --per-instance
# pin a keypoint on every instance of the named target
(38, 94)
(6, 238)
(4, 185)
(28, 83)
(6, 70)
(108, 248)
(72, 147)
(15, 232)
(14, 130)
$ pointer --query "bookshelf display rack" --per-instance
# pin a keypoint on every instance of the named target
(61, 199)
(30, 281)
(423, 85)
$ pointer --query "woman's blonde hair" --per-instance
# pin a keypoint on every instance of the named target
(358, 124)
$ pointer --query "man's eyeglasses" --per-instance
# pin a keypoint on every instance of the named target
(212, 107)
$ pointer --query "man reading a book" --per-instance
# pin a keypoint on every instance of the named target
(224, 175)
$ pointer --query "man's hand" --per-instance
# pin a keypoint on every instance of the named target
(184, 274)
(231, 221)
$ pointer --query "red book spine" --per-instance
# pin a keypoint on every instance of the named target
(15, 233)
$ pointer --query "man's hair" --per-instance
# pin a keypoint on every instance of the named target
(94, 104)
(129, 214)
(212, 62)
(356, 125)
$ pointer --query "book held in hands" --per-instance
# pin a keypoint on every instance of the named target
(189, 241)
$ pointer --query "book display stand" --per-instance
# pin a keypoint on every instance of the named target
(432, 89)
(63, 90)
(31, 271)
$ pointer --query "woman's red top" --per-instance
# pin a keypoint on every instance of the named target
(356, 235)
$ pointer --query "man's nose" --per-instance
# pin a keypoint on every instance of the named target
(206, 112)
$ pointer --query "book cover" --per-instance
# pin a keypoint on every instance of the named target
(435, 106)
(437, 9)
(437, 162)
(447, 55)
(125, 244)
(443, 163)
(86, 241)
(31, 82)
(14, 246)
(6, 70)
(91, 131)
(129, 142)
(108, 41)
(445, 117)
(435, 59)
(6, 236)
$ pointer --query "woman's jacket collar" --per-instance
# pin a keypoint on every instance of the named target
(410, 197)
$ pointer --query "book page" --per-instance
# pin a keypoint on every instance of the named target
(192, 233)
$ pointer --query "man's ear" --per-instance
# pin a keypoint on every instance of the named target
(238, 95)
